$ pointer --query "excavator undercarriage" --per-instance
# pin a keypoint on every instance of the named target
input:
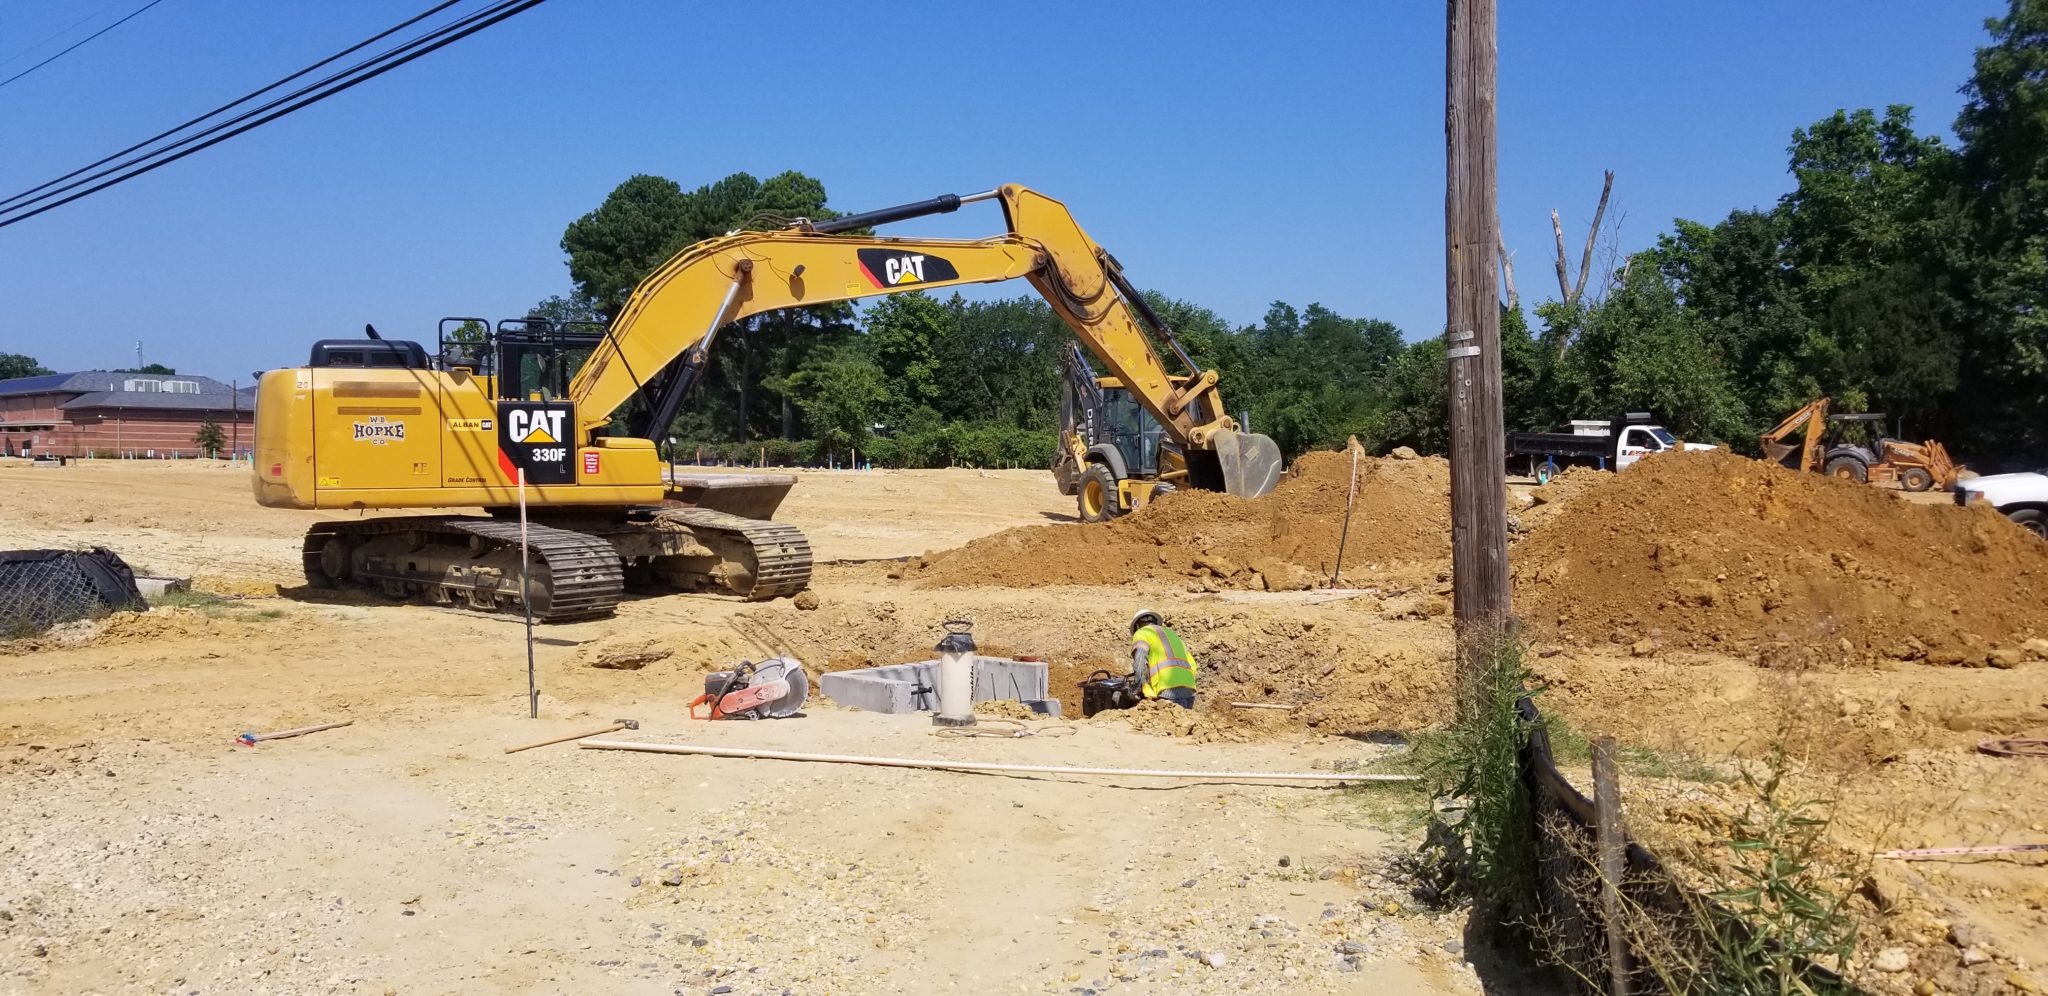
(582, 562)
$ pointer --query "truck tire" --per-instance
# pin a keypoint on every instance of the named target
(1848, 468)
(2032, 520)
(1916, 479)
(1097, 498)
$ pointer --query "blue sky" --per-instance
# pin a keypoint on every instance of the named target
(1229, 154)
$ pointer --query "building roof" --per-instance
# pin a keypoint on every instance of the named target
(158, 401)
(88, 381)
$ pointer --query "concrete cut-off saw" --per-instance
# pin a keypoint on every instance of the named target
(773, 689)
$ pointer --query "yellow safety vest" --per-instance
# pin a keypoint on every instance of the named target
(1168, 664)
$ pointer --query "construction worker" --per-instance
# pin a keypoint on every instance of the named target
(1161, 666)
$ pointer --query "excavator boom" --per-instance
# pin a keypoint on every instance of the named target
(674, 313)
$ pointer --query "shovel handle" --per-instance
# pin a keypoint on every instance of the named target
(615, 727)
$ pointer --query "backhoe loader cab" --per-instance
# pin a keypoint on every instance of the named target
(1113, 457)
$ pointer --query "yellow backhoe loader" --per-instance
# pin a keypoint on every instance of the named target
(1853, 447)
(379, 424)
(1113, 456)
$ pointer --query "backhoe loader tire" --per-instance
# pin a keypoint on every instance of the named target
(2032, 520)
(1097, 498)
(1848, 468)
(1915, 479)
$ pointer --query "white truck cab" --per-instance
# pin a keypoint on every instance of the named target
(2023, 498)
(1639, 441)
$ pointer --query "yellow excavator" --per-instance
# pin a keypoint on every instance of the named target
(525, 416)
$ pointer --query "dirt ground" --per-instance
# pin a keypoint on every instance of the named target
(144, 851)
(407, 853)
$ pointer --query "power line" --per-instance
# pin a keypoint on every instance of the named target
(312, 94)
(79, 42)
(61, 32)
(243, 99)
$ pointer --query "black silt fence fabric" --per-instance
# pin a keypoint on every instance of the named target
(41, 588)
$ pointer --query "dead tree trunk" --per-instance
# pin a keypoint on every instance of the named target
(1507, 268)
(1568, 290)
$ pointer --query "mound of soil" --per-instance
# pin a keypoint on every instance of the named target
(1284, 541)
(1718, 551)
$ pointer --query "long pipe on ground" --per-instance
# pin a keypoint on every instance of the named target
(937, 765)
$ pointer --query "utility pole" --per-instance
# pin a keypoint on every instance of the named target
(1479, 550)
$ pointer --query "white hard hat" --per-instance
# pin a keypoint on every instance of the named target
(1144, 614)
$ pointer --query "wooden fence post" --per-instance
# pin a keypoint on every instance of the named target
(1610, 844)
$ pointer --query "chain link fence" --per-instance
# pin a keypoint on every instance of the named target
(41, 588)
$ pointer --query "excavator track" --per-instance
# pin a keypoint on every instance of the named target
(780, 554)
(468, 561)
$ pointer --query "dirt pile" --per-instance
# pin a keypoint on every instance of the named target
(624, 653)
(1284, 541)
(1713, 550)
(122, 628)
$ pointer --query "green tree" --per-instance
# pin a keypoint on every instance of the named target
(842, 394)
(641, 223)
(1417, 412)
(209, 438)
(16, 365)
(2003, 172)
(559, 310)
(647, 220)
(902, 333)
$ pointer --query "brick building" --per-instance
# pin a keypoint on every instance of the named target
(97, 413)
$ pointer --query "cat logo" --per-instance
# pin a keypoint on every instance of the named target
(376, 431)
(897, 268)
(470, 424)
(535, 426)
(533, 442)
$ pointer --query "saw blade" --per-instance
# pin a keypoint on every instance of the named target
(785, 669)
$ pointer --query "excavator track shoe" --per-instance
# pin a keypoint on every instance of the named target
(780, 554)
(471, 562)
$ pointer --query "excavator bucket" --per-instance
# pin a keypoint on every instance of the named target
(1250, 462)
(1778, 451)
(749, 496)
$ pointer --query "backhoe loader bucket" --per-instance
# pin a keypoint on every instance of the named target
(1778, 451)
(750, 496)
(1250, 462)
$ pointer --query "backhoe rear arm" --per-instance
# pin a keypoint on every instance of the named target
(708, 285)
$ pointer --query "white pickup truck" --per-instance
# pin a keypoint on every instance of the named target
(2023, 498)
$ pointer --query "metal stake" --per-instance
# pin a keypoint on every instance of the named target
(526, 601)
(1345, 534)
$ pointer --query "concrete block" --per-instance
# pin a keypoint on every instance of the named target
(898, 688)
(156, 587)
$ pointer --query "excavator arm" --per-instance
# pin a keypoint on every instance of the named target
(1812, 417)
(674, 314)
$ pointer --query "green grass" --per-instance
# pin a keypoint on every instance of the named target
(188, 600)
(1571, 747)
(216, 606)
